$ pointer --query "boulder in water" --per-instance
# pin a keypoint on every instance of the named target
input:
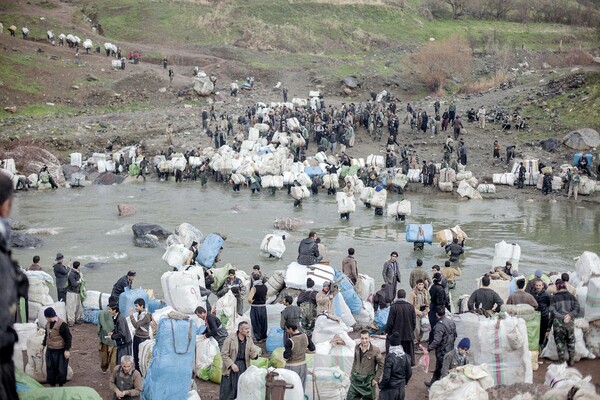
(21, 240)
(149, 241)
(108, 178)
(126, 210)
(96, 265)
(140, 230)
(69, 170)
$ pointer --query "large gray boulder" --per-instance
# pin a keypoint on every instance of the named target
(148, 241)
(108, 178)
(351, 82)
(140, 230)
(203, 86)
(22, 241)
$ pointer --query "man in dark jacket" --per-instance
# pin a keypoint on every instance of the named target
(457, 357)
(402, 319)
(290, 315)
(564, 308)
(57, 339)
(543, 299)
(485, 298)
(61, 272)
(444, 335)
(455, 250)
(214, 328)
(381, 299)
(307, 301)
(12, 285)
(396, 371)
(120, 334)
(120, 286)
(74, 307)
(308, 251)
(438, 298)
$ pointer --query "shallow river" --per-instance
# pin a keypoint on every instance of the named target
(550, 234)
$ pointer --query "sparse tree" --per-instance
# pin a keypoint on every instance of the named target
(457, 7)
(438, 61)
(499, 9)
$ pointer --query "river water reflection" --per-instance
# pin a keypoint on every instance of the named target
(550, 234)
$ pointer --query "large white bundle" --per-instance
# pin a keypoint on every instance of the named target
(586, 185)
(327, 383)
(504, 252)
(101, 166)
(273, 244)
(375, 160)
(592, 305)
(341, 309)
(466, 190)
(60, 309)
(248, 145)
(96, 300)
(321, 157)
(181, 290)
(530, 166)
(345, 203)
(366, 195)
(461, 176)
(366, 315)
(298, 102)
(581, 294)
(414, 175)
(165, 166)
(115, 64)
(557, 183)
(145, 354)
(261, 127)
(304, 179)
(251, 384)
(288, 178)
(206, 350)
(36, 364)
(253, 134)
(472, 181)
(504, 179)
(110, 166)
(581, 351)
(587, 265)
(188, 233)
(458, 386)
(486, 188)
(365, 287)
(341, 356)
(176, 255)
(399, 208)
(499, 343)
(226, 307)
(300, 192)
(238, 179)
(500, 286)
(531, 179)
(331, 181)
(275, 283)
(379, 198)
(293, 124)
(327, 328)
(87, 44)
(446, 186)
(39, 287)
(296, 275)
(400, 180)
(447, 175)
(76, 159)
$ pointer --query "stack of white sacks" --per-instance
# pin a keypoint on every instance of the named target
(467, 184)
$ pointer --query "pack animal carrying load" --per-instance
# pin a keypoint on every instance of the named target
(419, 233)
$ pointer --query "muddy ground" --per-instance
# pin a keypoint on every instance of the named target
(86, 366)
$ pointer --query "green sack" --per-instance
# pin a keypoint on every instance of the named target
(344, 171)
(204, 373)
(60, 393)
(134, 169)
(533, 322)
(260, 362)
(310, 361)
(276, 360)
(220, 275)
(216, 369)
(25, 382)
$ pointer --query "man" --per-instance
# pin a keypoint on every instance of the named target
(481, 117)
(402, 319)
(454, 250)
(140, 319)
(350, 266)
(457, 357)
(60, 273)
(36, 264)
(213, 325)
(295, 348)
(496, 150)
(289, 316)
(308, 250)
(120, 333)
(74, 307)
(324, 299)
(508, 268)
(574, 184)
(565, 278)
(57, 339)
(510, 153)
(236, 286)
(397, 371)
(119, 287)
(381, 299)
(419, 298)
(521, 296)
(532, 279)
(419, 274)
(450, 273)
(462, 152)
(125, 381)
(108, 348)
(236, 353)
(484, 298)
(520, 175)
(543, 298)
(307, 301)
(564, 308)
(439, 298)
(391, 275)
(444, 335)
(194, 248)
(258, 311)
(367, 369)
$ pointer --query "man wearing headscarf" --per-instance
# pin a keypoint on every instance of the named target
(397, 371)
(57, 339)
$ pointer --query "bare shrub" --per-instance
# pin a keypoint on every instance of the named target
(438, 61)
(565, 59)
(486, 83)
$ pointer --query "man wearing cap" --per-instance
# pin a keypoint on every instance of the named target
(457, 357)
(564, 308)
(367, 369)
(120, 334)
(508, 268)
(74, 308)
(61, 272)
(444, 335)
(397, 371)
(120, 286)
(57, 339)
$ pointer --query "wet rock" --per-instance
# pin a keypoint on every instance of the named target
(141, 229)
(21, 241)
(96, 265)
(146, 241)
(108, 178)
(126, 209)
(351, 82)
(69, 170)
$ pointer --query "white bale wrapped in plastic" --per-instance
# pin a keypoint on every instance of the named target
(379, 198)
(251, 384)
(253, 134)
(296, 275)
(581, 294)
(366, 195)
(115, 64)
(293, 124)
(87, 44)
(206, 350)
(331, 181)
(365, 287)
(327, 383)
(466, 190)
(326, 328)
(500, 343)
(366, 315)
(298, 140)
(188, 233)
(587, 265)
(446, 186)
(96, 300)
(39, 287)
(145, 354)
(261, 127)
(486, 188)
(399, 208)
(581, 351)
(345, 203)
(472, 181)
(400, 180)
(238, 179)
(504, 252)
(375, 160)
(298, 102)
(226, 307)
(457, 386)
(61, 312)
(181, 290)
(504, 179)
(414, 175)
(36, 361)
(341, 309)
(275, 283)
(273, 244)
(76, 160)
(592, 305)
(341, 356)
(447, 175)
(299, 192)
(557, 183)
(177, 255)
(461, 176)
